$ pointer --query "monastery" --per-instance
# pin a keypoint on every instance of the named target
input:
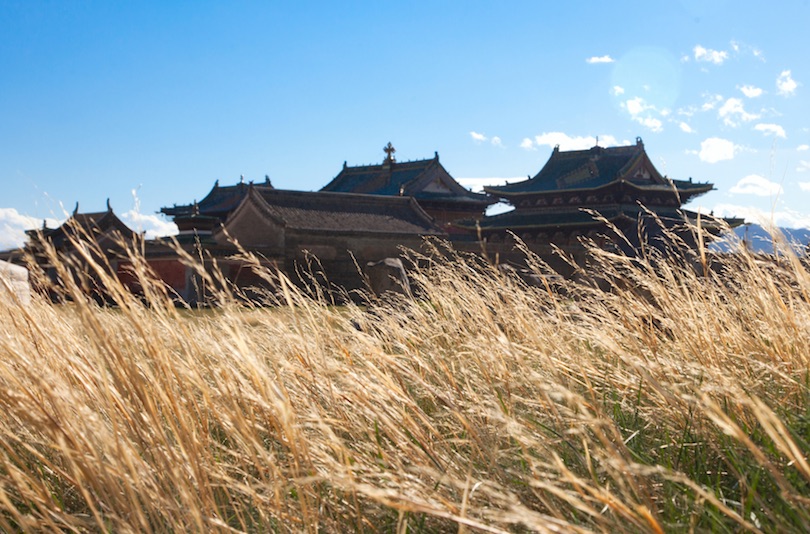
(368, 213)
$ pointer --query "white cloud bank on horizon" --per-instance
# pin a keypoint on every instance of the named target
(710, 56)
(754, 184)
(566, 142)
(785, 84)
(13, 225)
(600, 59)
(152, 225)
(715, 149)
(785, 219)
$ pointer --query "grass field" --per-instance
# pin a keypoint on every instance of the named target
(664, 401)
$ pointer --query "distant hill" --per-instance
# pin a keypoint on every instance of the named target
(759, 238)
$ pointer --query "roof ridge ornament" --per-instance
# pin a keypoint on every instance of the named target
(389, 153)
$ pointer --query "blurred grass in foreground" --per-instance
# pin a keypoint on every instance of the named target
(667, 400)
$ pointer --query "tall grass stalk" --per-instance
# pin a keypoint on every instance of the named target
(645, 394)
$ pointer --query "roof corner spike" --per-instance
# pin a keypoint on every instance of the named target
(109, 208)
(639, 142)
(345, 165)
(216, 184)
(76, 209)
(556, 148)
(436, 155)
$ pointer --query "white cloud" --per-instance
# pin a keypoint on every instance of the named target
(685, 127)
(708, 55)
(481, 138)
(617, 90)
(751, 91)
(754, 184)
(13, 225)
(804, 166)
(527, 144)
(786, 84)
(805, 186)
(600, 59)
(652, 123)
(567, 142)
(771, 129)
(715, 149)
(688, 111)
(711, 102)
(732, 111)
(802, 148)
(153, 225)
(636, 106)
(641, 112)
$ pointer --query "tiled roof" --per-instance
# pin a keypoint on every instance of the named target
(93, 223)
(594, 168)
(539, 219)
(408, 178)
(344, 212)
(220, 201)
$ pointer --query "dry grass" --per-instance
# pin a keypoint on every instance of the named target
(671, 402)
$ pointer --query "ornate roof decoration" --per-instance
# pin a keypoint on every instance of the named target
(424, 179)
(596, 168)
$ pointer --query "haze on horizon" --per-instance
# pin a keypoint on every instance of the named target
(149, 104)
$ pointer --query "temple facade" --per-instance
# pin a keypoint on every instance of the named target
(426, 180)
(109, 233)
(581, 193)
(369, 213)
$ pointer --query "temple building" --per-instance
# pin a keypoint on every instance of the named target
(426, 180)
(217, 204)
(369, 213)
(559, 204)
(289, 229)
(104, 228)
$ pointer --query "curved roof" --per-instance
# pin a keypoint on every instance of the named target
(424, 179)
(517, 220)
(342, 212)
(595, 168)
(219, 202)
(92, 224)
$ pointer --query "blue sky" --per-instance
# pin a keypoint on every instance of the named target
(148, 103)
